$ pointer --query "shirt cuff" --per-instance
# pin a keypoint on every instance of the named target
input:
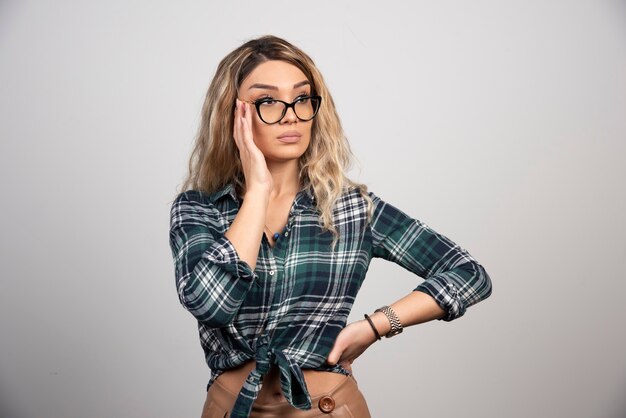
(445, 294)
(223, 252)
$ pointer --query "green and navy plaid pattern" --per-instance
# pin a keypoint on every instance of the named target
(290, 309)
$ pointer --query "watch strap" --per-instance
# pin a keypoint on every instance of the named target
(396, 326)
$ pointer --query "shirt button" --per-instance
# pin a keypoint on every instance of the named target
(271, 272)
(287, 233)
(326, 404)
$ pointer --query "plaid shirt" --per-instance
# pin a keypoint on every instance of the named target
(290, 309)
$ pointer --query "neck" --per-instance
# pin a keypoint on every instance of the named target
(285, 177)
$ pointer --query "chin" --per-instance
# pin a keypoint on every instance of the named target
(286, 154)
(283, 157)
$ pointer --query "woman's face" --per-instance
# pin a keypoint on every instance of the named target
(289, 138)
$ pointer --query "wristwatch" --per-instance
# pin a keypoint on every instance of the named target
(396, 326)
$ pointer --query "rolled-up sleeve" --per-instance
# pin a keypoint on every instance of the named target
(211, 280)
(451, 275)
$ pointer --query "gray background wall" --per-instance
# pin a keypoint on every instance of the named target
(500, 124)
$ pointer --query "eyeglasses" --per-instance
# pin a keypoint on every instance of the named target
(272, 111)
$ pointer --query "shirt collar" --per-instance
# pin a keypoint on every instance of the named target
(227, 190)
(304, 198)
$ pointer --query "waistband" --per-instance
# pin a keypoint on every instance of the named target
(341, 393)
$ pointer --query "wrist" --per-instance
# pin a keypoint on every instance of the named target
(257, 192)
(372, 328)
(370, 331)
(381, 322)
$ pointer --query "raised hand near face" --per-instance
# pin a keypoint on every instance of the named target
(253, 162)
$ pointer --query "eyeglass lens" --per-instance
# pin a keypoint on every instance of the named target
(272, 111)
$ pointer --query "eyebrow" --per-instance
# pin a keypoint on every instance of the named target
(269, 87)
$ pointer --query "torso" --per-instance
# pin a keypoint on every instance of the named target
(317, 381)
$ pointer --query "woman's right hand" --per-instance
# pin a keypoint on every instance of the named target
(246, 231)
(253, 162)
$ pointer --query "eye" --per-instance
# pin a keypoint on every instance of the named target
(302, 98)
(266, 101)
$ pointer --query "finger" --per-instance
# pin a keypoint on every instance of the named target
(236, 124)
(247, 138)
(239, 140)
(245, 128)
(333, 357)
(347, 366)
(246, 122)
(248, 114)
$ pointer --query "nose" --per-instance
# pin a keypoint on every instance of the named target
(290, 116)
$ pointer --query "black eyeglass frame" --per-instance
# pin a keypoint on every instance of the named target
(257, 104)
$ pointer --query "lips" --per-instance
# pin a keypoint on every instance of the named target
(290, 136)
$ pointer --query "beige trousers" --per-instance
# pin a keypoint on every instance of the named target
(343, 401)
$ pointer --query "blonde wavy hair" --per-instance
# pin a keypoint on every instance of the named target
(215, 158)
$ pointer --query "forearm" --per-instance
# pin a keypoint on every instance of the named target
(353, 340)
(246, 231)
(205, 260)
(415, 308)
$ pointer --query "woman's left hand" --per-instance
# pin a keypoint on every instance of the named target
(351, 342)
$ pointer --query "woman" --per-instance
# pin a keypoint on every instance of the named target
(271, 243)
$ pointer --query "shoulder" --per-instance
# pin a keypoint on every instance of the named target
(359, 196)
(206, 199)
(351, 200)
(191, 198)
(194, 206)
(355, 204)
(383, 210)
